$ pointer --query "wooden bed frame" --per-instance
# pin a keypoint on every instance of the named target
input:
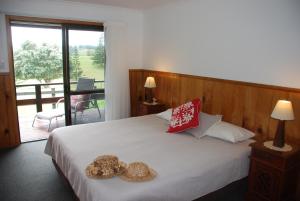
(248, 105)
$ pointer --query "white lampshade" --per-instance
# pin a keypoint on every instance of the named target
(150, 82)
(283, 110)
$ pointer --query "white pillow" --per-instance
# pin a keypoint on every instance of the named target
(206, 121)
(229, 132)
(166, 115)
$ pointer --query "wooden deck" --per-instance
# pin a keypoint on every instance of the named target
(40, 129)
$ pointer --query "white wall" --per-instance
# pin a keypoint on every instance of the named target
(132, 19)
(248, 40)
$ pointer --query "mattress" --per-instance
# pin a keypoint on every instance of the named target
(187, 168)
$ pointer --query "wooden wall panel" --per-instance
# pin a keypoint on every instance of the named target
(263, 110)
(215, 100)
(249, 108)
(169, 90)
(9, 127)
(245, 104)
(4, 135)
(192, 87)
(235, 97)
(293, 127)
(136, 90)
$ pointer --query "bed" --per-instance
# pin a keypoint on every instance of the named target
(187, 168)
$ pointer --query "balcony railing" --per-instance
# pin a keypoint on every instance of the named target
(52, 93)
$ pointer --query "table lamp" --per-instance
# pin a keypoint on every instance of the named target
(283, 111)
(149, 84)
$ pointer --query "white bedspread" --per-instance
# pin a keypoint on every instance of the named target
(187, 168)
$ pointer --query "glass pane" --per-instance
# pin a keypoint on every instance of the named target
(87, 108)
(38, 70)
(37, 60)
(86, 58)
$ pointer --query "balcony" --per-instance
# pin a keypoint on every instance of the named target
(33, 98)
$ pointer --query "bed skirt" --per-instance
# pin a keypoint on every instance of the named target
(239, 186)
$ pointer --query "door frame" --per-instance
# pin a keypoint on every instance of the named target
(64, 23)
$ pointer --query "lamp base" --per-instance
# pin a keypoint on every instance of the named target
(279, 136)
(148, 95)
(285, 148)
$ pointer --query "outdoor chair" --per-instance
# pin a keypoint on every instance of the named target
(79, 103)
(50, 115)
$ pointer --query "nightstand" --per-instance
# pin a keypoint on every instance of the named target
(145, 108)
(273, 175)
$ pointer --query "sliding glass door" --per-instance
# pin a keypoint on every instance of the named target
(84, 75)
(38, 74)
(59, 74)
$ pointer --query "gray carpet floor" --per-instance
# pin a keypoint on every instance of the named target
(27, 174)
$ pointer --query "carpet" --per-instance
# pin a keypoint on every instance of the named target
(27, 174)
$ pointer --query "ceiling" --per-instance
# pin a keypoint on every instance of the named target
(134, 4)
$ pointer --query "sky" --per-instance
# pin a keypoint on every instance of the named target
(53, 36)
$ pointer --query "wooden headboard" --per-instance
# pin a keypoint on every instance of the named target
(245, 104)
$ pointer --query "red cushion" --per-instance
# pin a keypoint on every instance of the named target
(185, 116)
(79, 101)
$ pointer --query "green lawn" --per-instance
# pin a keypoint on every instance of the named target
(89, 68)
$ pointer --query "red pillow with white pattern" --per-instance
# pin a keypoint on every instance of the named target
(185, 116)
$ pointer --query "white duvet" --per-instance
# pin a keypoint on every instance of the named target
(187, 168)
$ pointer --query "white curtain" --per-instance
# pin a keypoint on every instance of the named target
(3, 45)
(116, 72)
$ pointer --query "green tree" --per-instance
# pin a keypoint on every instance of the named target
(75, 70)
(43, 63)
(99, 54)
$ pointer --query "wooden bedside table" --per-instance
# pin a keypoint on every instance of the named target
(273, 175)
(144, 108)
